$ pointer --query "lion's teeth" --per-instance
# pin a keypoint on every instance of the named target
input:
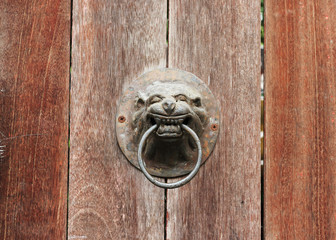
(161, 129)
(168, 121)
(164, 128)
(157, 120)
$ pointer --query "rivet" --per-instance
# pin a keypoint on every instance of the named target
(214, 127)
(121, 119)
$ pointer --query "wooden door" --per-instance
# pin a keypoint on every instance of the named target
(34, 118)
(300, 173)
(114, 43)
(98, 194)
(64, 65)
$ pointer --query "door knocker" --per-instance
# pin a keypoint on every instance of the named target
(167, 124)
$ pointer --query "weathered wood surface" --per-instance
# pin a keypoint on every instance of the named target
(34, 102)
(300, 182)
(219, 42)
(113, 43)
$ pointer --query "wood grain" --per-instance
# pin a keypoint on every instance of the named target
(114, 42)
(219, 41)
(34, 103)
(300, 181)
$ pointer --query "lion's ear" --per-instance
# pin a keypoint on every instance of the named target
(140, 100)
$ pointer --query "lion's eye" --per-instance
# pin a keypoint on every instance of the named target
(181, 98)
(155, 99)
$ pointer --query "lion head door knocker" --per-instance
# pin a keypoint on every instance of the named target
(167, 124)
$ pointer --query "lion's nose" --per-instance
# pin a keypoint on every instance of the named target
(168, 106)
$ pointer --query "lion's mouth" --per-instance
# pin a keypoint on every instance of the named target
(169, 126)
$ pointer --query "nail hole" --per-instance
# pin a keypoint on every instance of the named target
(214, 127)
(121, 119)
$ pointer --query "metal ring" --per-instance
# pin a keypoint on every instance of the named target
(184, 180)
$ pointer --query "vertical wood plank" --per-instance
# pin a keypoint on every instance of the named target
(219, 41)
(114, 42)
(34, 103)
(300, 181)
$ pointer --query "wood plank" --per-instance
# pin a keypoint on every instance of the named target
(114, 42)
(219, 41)
(300, 166)
(34, 103)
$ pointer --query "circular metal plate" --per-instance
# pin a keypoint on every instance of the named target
(127, 125)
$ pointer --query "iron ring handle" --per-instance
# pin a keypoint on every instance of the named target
(184, 180)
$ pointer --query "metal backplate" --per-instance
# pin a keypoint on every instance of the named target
(167, 97)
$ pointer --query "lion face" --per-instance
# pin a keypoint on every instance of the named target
(169, 105)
